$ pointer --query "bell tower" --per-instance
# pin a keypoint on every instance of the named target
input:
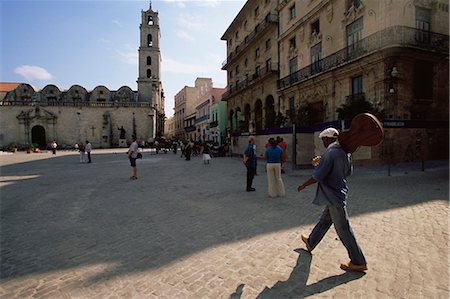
(149, 80)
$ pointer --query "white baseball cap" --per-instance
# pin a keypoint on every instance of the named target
(329, 132)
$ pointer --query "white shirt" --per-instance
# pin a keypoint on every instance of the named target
(133, 149)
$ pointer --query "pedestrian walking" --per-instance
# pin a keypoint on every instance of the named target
(132, 156)
(81, 149)
(188, 150)
(250, 163)
(273, 155)
(330, 172)
(54, 146)
(88, 149)
(206, 153)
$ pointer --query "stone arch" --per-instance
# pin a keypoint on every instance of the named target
(230, 119)
(237, 119)
(270, 112)
(38, 136)
(258, 115)
(247, 117)
(124, 95)
(50, 94)
(100, 94)
(24, 93)
(76, 94)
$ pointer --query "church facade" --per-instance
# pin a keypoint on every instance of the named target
(106, 118)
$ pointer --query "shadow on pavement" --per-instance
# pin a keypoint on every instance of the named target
(296, 286)
(71, 215)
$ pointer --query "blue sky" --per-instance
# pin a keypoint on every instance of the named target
(91, 43)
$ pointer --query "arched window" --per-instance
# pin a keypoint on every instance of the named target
(150, 20)
(149, 73)
(149, 60)
(150, 40)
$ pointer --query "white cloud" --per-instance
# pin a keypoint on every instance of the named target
(190, 22)
(184, 35)
(179, 3)
(31, 72)
(128, 57)
(117, 23)
(209, 3)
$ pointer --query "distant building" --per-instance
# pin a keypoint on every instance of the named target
(193, 110)
(75, 115)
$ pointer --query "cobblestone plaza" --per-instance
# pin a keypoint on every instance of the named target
(189, 230)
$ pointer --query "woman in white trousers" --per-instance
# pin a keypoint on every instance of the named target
(273, 155)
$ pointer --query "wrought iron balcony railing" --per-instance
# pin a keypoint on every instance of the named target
(396, 36)
(271, 18)
(266, 71)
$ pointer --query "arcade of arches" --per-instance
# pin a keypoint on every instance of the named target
(262, 116)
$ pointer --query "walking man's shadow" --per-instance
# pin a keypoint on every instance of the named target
(295, 286)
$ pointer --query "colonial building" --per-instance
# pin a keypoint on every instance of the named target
(391, 55)
(252, 67)
(100, 115)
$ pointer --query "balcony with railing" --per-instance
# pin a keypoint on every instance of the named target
(254, 78)
(202, 118)
(397, 36)
(189, 129)
(271, 18)
(213, 124)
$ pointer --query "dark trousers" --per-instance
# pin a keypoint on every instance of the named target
(187, 153)
(89, 157)
(337, 216)
(54, 151)
(250, 176)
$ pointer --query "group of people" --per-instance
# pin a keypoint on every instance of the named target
(275, 155)
(330, 172)
(84, 149)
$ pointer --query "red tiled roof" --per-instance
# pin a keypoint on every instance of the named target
(8, 86)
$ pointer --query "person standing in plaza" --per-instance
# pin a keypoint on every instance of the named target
(54, 146)
(250, 162)
(88, 150)
(330, 172)
(132, 155)
(206, 153)
(273, 155)
(188, 150)
(81, 149)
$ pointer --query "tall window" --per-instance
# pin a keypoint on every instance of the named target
(423, 80)
(354, 33)
(316, 58)
(269, 64)
(150, 40)
(315, 27)
(149, 73)
(292, 104)
(292, 13)
(257, 53)
(293, 65)
(150, 20)
(357, 85)
(149, 60)
(268, 44)
(292, 43)
(423, 21)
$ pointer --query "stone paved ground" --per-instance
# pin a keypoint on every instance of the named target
(188, 230)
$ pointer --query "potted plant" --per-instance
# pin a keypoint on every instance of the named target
(13, 147)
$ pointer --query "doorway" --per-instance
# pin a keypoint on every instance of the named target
(38, 136)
